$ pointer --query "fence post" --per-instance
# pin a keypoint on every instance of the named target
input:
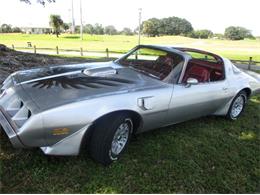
(34, 48)
(249, 63)
(57, 50)
(107, 51)
(13, 46)
(81, 51)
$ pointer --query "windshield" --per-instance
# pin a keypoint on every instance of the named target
(152, 62)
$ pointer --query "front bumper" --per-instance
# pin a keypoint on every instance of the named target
(10, 129)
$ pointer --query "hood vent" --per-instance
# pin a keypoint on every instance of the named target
(100, 72)
(17, 111)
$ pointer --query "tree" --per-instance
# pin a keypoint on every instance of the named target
(201, 34)
(166, 26)
(218, 36)
(89, 29)
(175, 26)
(66, 26)
(127, 31)
(43, 2)
(110, 30)
(204, 34)
(16, 30)
(237, 33)
(56, 23)
(151, 27)
(6, 28)
(98, 29)
(77, 29)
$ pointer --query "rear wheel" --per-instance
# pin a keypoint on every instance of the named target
(111, 137)
(237, 106)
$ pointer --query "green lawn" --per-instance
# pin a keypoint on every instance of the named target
(231, 49)
(207, 155)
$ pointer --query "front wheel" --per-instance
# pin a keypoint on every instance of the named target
(237, 106)
(110, 138)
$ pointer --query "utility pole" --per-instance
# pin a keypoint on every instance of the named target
(81, 22)
(72, 18)
(139, 30)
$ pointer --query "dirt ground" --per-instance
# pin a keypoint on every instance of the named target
(11, 61)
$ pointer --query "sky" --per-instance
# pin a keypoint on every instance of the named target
(215, 15)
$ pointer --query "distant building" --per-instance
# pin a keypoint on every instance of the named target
(36, 30)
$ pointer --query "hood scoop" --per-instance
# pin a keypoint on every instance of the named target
(100, 72)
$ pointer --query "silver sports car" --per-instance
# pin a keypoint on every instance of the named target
(62, 108)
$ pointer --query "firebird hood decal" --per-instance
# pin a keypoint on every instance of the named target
(79, 82)
(57, 86)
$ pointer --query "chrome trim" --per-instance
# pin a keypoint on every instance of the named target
(121, 137)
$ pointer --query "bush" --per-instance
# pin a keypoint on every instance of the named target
(16, 30)
(201, 34)
(218, 36)
(110, 30)
(127, 31)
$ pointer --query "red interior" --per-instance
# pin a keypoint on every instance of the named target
(197, 72)
(204, 71)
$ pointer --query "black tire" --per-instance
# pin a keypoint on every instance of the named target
(230, 115)
(1, 129)
(103, 135)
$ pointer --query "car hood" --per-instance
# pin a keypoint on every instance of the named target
(55, 86)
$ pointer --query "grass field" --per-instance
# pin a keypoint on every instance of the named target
(240, 50)
(207, 155)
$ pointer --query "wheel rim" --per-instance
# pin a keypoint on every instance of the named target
(237, 106)
(121, 137)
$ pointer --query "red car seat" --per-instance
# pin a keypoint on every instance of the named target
(197, 72)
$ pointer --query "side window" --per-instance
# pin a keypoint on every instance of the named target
(158, 63)
(204, 71)
(146, 54)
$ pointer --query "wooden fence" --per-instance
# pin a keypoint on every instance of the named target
(57, 50)
(249, 64)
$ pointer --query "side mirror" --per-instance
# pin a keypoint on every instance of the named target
(191, 81)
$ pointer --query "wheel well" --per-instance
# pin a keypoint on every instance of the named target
(248, 91)
(137, 121)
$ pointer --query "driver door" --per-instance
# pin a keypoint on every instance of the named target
(196, 100)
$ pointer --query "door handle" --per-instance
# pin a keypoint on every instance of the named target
(146, 103)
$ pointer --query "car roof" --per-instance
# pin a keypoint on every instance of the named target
(167, 48)
(183, 51)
